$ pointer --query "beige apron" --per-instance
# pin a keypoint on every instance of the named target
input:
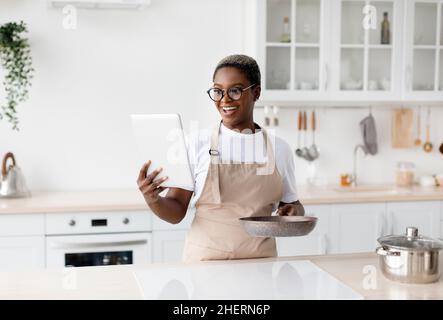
(233, 191)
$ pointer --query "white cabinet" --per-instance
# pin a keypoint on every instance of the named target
(169, 239)
(425, 215)
(423, 68)
(317, 242)
(22, 241)
(352, 228)
(168, 245)
(333, 50)
(22, 252)
(441, 219)
(356, 227)
(365, 65)
(291, 47)
(326, 51)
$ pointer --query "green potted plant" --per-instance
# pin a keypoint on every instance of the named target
(15, 59)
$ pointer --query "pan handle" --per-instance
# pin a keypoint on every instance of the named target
(383, 252)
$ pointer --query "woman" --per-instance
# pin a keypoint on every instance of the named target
(229, 185)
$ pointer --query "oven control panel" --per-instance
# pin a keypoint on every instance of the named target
(98, 222)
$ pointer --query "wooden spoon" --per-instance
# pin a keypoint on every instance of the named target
(298, 152)
(417, 141)
(428, 145)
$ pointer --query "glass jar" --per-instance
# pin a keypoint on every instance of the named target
(405, 174)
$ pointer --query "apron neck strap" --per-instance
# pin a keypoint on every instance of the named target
(215, 153)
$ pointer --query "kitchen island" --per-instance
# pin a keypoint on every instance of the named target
(359, 273)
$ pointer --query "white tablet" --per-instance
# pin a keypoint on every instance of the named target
(160, 138)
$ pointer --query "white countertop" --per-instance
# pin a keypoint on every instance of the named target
(354, 276)
(118, 200)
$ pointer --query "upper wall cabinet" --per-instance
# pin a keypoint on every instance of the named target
(366, 46)
(291, 48)
(423, 67)
(348, 50)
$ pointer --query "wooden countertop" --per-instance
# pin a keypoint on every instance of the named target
(118, 282)
(120, 200)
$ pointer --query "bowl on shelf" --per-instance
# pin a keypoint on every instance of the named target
(353, 85)
(306, 86)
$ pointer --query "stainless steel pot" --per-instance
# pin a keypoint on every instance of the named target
(410, 258)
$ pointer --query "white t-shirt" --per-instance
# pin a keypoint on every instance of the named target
(243, 147)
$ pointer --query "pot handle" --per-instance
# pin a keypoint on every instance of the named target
(383, 252)
(5, 159)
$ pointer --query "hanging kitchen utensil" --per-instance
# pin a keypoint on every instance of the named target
(402, 128)
(278, 226)
(313, 150)
(298, 152)
(441, 148)
(428, 145)
(417, 141)
(12, 182)
(267, 120)
(410, 258)
(275, 110)
(369, 134)
(305, 150)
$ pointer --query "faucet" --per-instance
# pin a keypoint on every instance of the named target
(354, 171)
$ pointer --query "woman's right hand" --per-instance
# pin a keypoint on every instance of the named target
(149, 187)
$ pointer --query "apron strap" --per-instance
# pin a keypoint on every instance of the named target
(214, 163)
(270, 163)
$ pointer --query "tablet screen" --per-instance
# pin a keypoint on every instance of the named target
(160, 138)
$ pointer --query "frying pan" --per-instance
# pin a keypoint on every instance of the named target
(278, 226)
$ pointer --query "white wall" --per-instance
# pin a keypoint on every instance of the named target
(75, 131)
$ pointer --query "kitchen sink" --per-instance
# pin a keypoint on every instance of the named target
(367, 189)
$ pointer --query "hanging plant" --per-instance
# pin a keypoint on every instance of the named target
(15, 58)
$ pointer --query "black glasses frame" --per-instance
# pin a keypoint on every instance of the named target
(227, 92)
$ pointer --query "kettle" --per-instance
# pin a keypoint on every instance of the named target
(12, 184)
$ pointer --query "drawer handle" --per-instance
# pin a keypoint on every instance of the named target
(73, 245)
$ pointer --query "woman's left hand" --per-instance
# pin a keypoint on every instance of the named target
(291, 209)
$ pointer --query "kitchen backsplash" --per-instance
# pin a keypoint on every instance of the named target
(338, 132)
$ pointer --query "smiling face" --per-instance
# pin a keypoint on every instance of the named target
(236, 114)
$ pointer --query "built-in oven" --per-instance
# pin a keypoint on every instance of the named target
(98, 239)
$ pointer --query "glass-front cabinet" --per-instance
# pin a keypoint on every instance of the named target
(424, 49)
(366, 40)
(349, 50)
(292, 47)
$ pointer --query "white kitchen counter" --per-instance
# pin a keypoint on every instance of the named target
(359, 274)
(77, 201)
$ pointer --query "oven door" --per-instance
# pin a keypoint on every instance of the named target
(98, 249)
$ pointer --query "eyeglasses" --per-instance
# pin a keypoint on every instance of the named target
(234, 93)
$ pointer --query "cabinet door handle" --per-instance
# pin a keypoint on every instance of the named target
(323, 240)
(380, 223)
(409, 78)
(326, 75)
(75, 245)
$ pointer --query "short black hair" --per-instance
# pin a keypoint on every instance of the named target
(244, 63)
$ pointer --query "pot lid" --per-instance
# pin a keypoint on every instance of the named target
(410, 241)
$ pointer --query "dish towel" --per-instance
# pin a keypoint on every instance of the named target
(369, 133)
